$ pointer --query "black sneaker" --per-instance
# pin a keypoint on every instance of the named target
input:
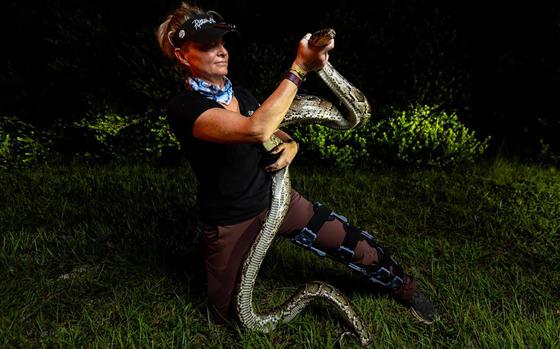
(422, 308)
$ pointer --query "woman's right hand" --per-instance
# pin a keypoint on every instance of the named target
(311, 58)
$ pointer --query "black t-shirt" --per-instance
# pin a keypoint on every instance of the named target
(232, 185)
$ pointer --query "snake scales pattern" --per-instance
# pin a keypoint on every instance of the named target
(304, 109)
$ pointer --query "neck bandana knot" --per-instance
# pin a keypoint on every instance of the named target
(211, 91)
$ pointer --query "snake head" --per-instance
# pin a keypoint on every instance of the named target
(321, 37)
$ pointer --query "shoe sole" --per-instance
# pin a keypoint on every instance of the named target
(420, 318)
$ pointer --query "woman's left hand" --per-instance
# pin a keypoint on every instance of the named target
(287, 151)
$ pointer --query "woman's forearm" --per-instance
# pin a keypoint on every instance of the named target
(269, 115)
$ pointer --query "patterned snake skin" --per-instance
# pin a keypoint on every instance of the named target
(304, 109)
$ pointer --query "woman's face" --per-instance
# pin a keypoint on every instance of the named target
(209, 62)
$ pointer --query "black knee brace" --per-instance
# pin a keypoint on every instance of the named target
(387, 272)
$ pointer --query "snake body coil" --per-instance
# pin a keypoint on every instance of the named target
(304, 109)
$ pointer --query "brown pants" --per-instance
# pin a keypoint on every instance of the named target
(226, 246)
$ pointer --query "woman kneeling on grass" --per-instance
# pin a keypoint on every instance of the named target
(221, 127)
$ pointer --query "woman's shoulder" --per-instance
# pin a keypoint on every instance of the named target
(185, 97)
(187, 105)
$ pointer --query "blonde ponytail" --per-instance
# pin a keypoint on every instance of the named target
(174, 21)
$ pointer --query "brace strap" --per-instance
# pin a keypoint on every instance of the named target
(387, 272)
(306, 237)
(351, 239)
(322, 214)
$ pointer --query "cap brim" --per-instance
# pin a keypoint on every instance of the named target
(212, 34)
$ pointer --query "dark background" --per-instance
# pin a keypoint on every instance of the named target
(496, 65)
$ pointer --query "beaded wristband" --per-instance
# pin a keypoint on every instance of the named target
(292, 77)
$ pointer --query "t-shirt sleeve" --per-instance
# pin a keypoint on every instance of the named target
(182, 112)
(188, 108)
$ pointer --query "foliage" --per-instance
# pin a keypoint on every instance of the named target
(419, 136)
(98, 136)
(145, 136)
(21, 144)
(547, 155)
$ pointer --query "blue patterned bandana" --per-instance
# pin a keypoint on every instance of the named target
(211, 91)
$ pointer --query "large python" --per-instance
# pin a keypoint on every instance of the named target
(304, 109)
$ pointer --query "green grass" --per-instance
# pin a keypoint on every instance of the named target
(111, 256)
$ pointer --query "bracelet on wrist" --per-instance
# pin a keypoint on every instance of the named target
(293, 77)
(299, 71)
(301, 77)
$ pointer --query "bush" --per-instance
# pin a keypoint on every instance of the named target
(548, 156)
(419, 136)
(98, 137)
(20, 143)
(114, 136)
